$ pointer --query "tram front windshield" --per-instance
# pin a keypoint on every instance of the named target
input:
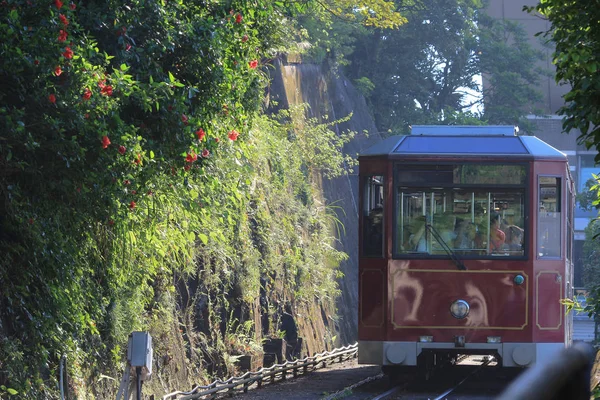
(474, 210)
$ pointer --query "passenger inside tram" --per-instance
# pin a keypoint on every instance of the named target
(497, 236)
(417, 241)
(465, 234)
(514, 238)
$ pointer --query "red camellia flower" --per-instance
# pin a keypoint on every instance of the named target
(105, 142)
(62, 35)
(72, 6)
(126, 182)
(244, 38)
(52, 99)
(68, 53)
(191, 157)
(238, 18)
(184, 119)
(87, 93)
(253, 64)
(58, 4)
(63, 19)
(217, 140)
(233, 135)
(132, 205)
(200, 133)
(107, 90)
(122, 149)
(205, 153)
(57, 71)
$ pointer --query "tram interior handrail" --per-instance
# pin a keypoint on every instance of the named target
(269, 373)
(565, 377)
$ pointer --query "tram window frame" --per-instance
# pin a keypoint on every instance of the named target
(399, 236)
(373, 216)
(543, 215)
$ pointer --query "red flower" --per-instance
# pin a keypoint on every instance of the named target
(107, 90)
(200, 133)
(127, 47)
(36, 62)
(57, 71)
(63, 19)
(52, 99)
(187, 167)
(238, 18)
(105, 141)
(58, 4)
(184, 119)
(205, 153)
(87, 93)
(68, 53)
(62, 35)
(132, 205)
(217, 140)
(244, 38)
(101, 83)
(253, 64)
(233, 135)
(122, 149)
(134, 192)
(138, 159)
(126, 182)
(72, 6)
(191, 157)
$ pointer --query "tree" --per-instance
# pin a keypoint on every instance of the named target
(575, 33)
(508, 64)
(425, 71)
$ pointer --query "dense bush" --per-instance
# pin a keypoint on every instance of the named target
(131, 156)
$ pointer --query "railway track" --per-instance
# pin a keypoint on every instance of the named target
(463, 381)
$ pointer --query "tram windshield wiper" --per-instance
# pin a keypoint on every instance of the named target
(447, 249)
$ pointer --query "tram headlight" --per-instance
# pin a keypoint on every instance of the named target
(459, 309)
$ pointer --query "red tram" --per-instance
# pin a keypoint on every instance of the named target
(465, 248)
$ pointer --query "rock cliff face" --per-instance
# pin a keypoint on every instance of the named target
(332, 97)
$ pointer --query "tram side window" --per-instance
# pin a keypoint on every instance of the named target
(373, 216)
(549, 217)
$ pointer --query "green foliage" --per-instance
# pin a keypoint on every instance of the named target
(425, 72)
(575, 33)
(364, 86)
(418, 68)
(588, 198)
(132, 154)
(327, 27)
(591, 272)
(508, 62)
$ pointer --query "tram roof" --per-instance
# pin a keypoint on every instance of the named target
(468, 141)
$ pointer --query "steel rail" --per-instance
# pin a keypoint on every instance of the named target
(267, 374)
